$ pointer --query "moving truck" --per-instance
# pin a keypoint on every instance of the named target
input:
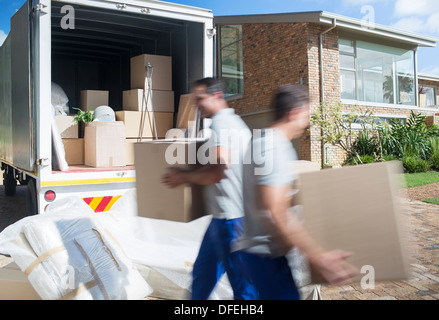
(81, 45)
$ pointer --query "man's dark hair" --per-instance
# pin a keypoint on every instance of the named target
(288, 97)
(212, 85)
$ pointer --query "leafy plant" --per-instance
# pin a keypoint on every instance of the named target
(407, 139)
(434, 153)
(336, 127)
(84, 116)
(414, 164)
(366, 144)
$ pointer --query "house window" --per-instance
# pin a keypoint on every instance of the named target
(230, 66)
(430, 96)
(376, 73)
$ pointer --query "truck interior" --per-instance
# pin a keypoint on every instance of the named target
(95, 54)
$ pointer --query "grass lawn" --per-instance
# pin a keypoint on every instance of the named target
(434, 200)
(420, 179)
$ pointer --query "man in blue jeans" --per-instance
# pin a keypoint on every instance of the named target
(271, 229)
(222, 180)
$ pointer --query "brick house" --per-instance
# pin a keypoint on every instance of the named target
(339, 58)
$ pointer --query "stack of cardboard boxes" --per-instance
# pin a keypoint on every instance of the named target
(73, 145)
(104, 142)
(153, 156)
(148, 112)
(101, 143)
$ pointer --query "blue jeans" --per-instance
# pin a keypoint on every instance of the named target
(215, 258)
(271, 276)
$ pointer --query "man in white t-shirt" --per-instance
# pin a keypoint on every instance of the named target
(221, 177)
(271, 229)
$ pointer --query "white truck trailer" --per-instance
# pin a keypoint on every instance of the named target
(78, 42)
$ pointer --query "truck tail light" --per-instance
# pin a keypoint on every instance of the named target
(49, 196)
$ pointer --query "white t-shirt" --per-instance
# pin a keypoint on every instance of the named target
(272, 154)
(224, 199)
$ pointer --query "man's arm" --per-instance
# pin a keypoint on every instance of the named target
(289, 232)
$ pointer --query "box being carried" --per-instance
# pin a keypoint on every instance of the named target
(154, 199)
(354, 209)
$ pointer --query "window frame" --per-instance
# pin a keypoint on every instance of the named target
(434, 91)
(239, 43)
(395, 94)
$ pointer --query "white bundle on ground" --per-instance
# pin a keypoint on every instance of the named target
(67, 256)
(163, 251)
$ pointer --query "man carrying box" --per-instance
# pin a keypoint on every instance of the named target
(222, 178)
(271, 230)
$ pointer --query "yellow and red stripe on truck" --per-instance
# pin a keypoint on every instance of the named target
(101, 204)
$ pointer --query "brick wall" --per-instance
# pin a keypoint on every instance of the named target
(273, 54)
(330, 79)
(280, 53)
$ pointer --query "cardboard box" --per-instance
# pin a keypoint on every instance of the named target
(162, 101)
(161, 75)
(155, 200)
(14, 284)
(354, 209)
(186, 110)
(132, 120)
(74, 150)
(130, 148)
(104, 144)
(67, 127)
(91, 99)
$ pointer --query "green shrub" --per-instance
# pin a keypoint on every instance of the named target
(434, 153)
(390, 158)
(365, 158)
(414, 164)
(366, 144)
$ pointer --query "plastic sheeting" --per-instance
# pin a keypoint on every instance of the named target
(59, 153)
(60, 101)
(162, 251)
(67, 255)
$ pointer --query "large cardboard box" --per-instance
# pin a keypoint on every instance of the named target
(133, 119)
(14, 284)
(91, 99)
(104, 144)
(161, 75)
(154, 199)
(135, 100)
(67, 127)
(355, 209)
(74, 150)
(186, 110)
(130, 142)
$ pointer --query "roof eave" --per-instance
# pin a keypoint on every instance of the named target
(341, 22)
(352, 24)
